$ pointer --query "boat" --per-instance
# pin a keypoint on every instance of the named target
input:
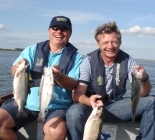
(110, 131)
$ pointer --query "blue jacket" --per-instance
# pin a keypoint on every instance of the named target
(119, 74)
(41, 59)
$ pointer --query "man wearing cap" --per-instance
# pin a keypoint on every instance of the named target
(63, 57)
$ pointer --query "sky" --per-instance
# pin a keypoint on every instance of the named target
(26, 22)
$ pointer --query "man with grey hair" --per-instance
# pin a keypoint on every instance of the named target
(103, 76)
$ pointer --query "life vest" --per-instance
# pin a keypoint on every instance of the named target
(41, 60)
(119, 74)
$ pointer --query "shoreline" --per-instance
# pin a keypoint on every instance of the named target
(82, 55)
(143, 59)
(10, 51)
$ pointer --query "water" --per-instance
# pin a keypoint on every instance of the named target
(149, 66)
(6, 79)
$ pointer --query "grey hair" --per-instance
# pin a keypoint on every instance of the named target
(106, 29)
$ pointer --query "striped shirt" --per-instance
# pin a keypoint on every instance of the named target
(86, 77)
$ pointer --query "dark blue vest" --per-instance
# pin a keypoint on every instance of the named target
(41, 59)
(119, 74)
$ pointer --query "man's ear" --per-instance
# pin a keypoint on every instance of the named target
(120, 42)
(48, 31)
(70, 33)
(98, 44)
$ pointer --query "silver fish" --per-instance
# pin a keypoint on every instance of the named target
(135, 92)
(20, 89)
(45, 92)
(93, 125)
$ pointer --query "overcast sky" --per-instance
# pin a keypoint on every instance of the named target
(25, 22)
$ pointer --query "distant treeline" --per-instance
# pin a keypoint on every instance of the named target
(16, 49)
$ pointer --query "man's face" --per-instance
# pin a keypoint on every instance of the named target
(59, 36)
(109, 44)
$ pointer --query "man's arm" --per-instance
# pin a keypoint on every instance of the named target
(69, 81)
(79, 96)
(63, 80)
(145, 86)
(66, 82)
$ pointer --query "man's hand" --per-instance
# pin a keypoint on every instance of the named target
(94, 102)
(142, 71)
(14, 68)
(145, 86)
(21, 61)
(56, 71)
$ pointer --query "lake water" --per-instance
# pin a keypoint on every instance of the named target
(6, 79)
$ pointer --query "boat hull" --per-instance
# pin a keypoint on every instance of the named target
(124, 131)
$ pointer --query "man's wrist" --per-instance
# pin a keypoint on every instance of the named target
(147, 78)
(56, 78)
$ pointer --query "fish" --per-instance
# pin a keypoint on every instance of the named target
(135, 92)
(93, 126)
(21, 89)
(45, 92)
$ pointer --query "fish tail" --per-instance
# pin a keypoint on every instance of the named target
(40, 119)
(19, 114)
(133, 119)
(24, 114)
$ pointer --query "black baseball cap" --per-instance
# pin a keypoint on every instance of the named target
(61, 21)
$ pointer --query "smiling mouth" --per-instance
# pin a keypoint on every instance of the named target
(110, 51)
(58, 37)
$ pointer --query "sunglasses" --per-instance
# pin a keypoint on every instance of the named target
(62, 28)
(112, 29)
